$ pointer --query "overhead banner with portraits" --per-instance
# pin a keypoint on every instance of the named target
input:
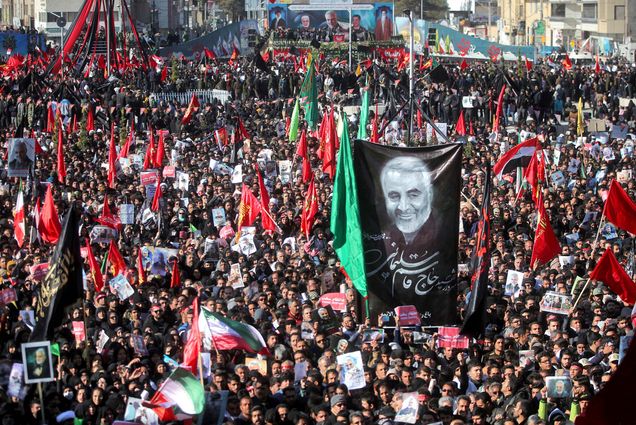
(325, 24)
(409, 199)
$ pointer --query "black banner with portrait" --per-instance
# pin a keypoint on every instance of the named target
(409, 212)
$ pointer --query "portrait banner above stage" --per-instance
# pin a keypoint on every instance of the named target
(409, 203)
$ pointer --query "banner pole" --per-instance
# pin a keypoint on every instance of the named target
(41, 403)
(598, 232)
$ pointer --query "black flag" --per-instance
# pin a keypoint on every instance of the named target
(475, 317)
(409, 199)
(63, 284)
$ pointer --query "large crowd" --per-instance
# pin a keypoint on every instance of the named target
(499, 379)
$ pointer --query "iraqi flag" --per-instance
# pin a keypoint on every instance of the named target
(225, 334)
(519, 156)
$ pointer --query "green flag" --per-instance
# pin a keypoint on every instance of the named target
(345, 216)
(309, 96)
(78, 421)
(293, 125)
(364, 113)
(55, 349)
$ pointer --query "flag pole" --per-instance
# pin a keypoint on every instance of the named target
(598, 232)
(200, 366)
(41, 403)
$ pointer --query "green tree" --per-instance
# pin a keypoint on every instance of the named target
(433, 9)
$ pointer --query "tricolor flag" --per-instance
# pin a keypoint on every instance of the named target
(225, 334)
(19, 228)
(519, 156)
(182, 392)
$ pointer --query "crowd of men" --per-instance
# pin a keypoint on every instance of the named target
(499, 379)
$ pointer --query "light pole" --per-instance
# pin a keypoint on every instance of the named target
(350, 35)
(411, 75)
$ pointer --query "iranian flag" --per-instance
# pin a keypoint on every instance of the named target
(181, 394)
(18, 220)
(225, 334)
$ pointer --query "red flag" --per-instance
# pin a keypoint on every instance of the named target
(107, 218)
(597, 66)
(419, 118)
(164, 74)
(115, 259)
(620, 209)
(234, 57)
(194, 103)
(249, 208)
(150, 151)
(463, 65)
(301, 148)
(567, 63)
(90, 119)
(175, 279)
(61, 165)
(375, 137)
(546, 245)
(331, 142)
(460, 127)
(266, 218)
(528, 65)
(609, 271)
(161, 149)
(209, 54)
(123, 153)
(613, 404)
(242, 131)
(535, 173)
(310, 209)
(157, 197)
(50, 119)
(49, 226)
(192, 348)
(112, 159)
(141, 273)
(98, 279)
(495, 125)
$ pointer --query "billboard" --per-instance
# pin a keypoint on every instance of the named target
(375, 22)
(222, 41)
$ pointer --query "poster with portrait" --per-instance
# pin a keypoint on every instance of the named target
(327, 24)
(553, 302)
(39, 362)
(373, 334)
(235, 279)
(16, 387)
(410, 228)
(514, 280)
(157, 258)
(410, 406)
(218, 217)
(352, 370)
(21, 157)
(558, 386)
(102, 234)
(246, 245)
(127, 213)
